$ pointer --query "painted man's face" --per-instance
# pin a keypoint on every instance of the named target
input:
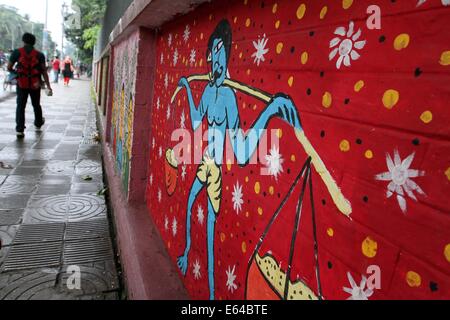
(218, 59)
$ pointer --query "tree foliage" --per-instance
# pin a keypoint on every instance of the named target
(85, 35)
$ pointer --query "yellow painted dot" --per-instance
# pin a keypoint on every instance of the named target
(260, 211)
(293, 158)
(228, 165)
(445, 58)
(391, 98)
(347, 4)
(257, 187)
(245, 2)
(246, 179)
(231, 235)
(413, 279)
(359, 85)
(447, 173)
(327, 100)
(271, 190)
(201, 36)
(277, 24)
(330, 232)
(344, 146)
(240, 55)
(291, 81)
(426, 117)
(201, 62)
(323, 12)
(248, 72)
(244, 247)
(210, 17)
(401, 41)
(368, 154)
(369, 247)
(279, 133)
(304, 57)
(235, 19)
(222, 237)
(301, 11)
(447, 252)
(279, 47)
(247, 214)
(275, 8)
(247, 22)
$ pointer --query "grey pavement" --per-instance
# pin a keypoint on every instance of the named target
(53, 215)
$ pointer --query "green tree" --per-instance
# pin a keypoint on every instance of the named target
(85, 35)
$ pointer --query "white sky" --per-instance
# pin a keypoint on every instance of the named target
(36, 10)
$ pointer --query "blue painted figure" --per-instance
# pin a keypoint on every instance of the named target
(219, 105)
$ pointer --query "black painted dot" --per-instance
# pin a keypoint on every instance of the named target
(347, 101)
(366, 199)
(382, 39)
(271, 61)
(311, 33)
(292, 49)
(433, 286)
(279, 76)
(330, 265)
(262, 5)
(288, 171)
(324, 202)
(289, 22)
(322, 134)
(418, 72)
(308, 91)
(322, 74)
(264, 194)
(358, 141)
(416, 142)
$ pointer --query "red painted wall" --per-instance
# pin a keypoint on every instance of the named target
(383, 109)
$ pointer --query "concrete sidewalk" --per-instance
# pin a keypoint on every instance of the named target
(53, 213)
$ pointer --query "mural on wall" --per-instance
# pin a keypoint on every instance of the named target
(312, 72)
(125, 61)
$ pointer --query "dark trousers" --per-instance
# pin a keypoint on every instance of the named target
(22, 97)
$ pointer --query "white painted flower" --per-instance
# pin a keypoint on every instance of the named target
(192, 57)
(183, 120)
(261, 50)
(400, 175)
(358, 292)
(166, 223)
(159, 195)
(274, 162)
(169, 40)
(444, 2)
(166, 81)
(200, 215)
(183, 171)
(175, 57)
(231, 277)
(186, 34)
(160, 152)
(237, 197)
(196, 270)
(346, 45)
(174, 226)
(168, 112)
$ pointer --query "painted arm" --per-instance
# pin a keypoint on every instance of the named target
(197, 113)
(244, 145)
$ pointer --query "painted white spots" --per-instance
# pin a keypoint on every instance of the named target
(358, 292)
(196, 270)
(231, 278)
(174, 226)
(192, 57)
(151, 179)
(237, 197)
(162, 58)
(346, 44)
(261, 50)
(444, 2)
(166, 223)
(183, 120)
(159, 195)
(186, 34)
(153, 143)
(400, 175)
(200, 215)
(274, 162)
(160, 151)
(169, 40)
(183, 172)
(158, 102)
(168, 112)
(175, 57)
(166, 81)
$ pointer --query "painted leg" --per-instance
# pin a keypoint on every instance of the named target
(182, 261)
(210, 239)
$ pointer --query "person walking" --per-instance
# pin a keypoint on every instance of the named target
(30, 68)
(56, 67)
(67, 70)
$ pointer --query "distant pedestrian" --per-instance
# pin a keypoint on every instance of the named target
(67, 70)
(56, 67)
(30, 69)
